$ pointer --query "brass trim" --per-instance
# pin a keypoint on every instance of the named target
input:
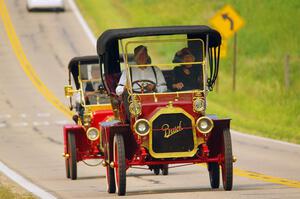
(194, 107)
(168, 110)
(135, 108)
(234, 159)
(69, 90)
(87, 117)
(140, 120)
(197, 124)
(90, 129)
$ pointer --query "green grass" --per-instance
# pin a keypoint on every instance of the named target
(261, 104)
(7, 193)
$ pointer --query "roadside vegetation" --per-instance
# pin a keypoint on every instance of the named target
(7, 193)
(262, 103)
(10, 190)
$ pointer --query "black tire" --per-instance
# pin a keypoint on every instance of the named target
(120, 168)
(67, 165)
(227, 170)
(156, 171)
(72, 156)
(110, 178)
(214, 174)
(165, 169)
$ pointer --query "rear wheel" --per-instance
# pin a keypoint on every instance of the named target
(110, 177)
(165, 169)
(227, 164)
(214, 174)
(72, 160)
(120, 167)
(156, 171)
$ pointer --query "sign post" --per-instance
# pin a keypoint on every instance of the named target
(228, 22)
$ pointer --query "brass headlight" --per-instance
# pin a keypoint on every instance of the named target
(204, 125)
(92, 134)
(198, 105)
(135, 108)
(141, 127)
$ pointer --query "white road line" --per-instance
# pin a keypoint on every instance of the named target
(23, 115)
(25, 183)
(46, 123)
(43, 114)
(5, 116)
(2, 125)
(264, 139)
(83, 23)
(20, 124)
(62, 122)
(36, 124)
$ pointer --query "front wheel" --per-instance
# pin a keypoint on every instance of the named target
(214, 174)
(227, 169)
(110, 178)
(72, 160)
(120, 167)
(67, 165)
(156, 171)
(165, 169)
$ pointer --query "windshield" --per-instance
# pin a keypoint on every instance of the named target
(165, 65)
(91, 86)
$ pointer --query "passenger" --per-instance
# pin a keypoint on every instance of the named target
(151, 76)
(186, 77)
(179, 55)
(94, 85)
(94, 90)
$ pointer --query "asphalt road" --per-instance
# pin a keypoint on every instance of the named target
(31, 139)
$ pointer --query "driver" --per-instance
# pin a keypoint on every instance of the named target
(143, 78)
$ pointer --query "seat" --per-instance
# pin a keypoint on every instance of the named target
(112, 81)
(168, 74)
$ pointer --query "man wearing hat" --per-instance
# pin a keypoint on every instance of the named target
(146, 74)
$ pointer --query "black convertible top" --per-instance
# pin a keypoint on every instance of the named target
(90, 59)
(110, 37)
(74, 62)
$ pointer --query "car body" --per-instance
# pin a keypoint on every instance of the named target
(163, 128)
(81, 140)
(158, 129)
(58, 5)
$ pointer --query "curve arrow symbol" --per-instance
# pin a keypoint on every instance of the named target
(226, 17)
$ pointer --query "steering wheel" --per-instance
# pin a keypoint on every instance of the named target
(142, 84)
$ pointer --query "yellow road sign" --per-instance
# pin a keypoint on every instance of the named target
(223, 52)
(227, 21)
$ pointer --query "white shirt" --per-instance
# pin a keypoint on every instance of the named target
(143, 74)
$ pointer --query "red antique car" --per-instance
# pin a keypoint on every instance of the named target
(92, 106)
(159, 105)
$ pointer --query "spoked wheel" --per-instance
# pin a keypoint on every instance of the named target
(110, 178)
(72, 156)
(227, 164)
(214, 174)
(67, 166)
(165, 169)
(120, 167)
